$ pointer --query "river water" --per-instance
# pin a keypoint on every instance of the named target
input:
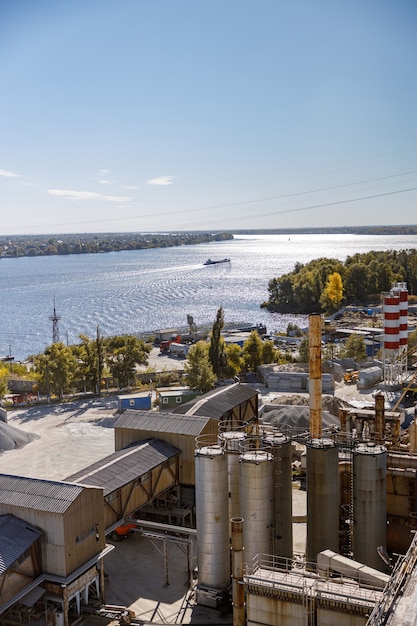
(146, 290)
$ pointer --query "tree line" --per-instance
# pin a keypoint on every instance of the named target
(325, 284)
(86, 366)
(50, 245)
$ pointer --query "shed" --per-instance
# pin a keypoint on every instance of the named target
(72, 543)
(141, 401)
(132, 477)
(165, 333)
(70, 516)
(177, 430)
(236, 402)
(20, 551)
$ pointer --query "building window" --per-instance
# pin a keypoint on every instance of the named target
(131, 403)
(164, 400)
(178, 400)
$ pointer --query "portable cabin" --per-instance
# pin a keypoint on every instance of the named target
(137, 401)
(170, 399)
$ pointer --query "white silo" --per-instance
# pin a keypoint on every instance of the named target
(212, 514)
(232, 440)
(369, 504)
(256, 501)
(280, 446)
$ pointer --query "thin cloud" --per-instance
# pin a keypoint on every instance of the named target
(131, 187)
(8, 174)
(86, 195)
(161, 180)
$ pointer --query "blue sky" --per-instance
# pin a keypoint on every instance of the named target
(161, 115)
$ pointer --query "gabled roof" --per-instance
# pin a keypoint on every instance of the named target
(34, 493)
(161, 422)
(16, 536)
(124, 466)
(217, 402)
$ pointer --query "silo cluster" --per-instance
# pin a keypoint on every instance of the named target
(238, 476)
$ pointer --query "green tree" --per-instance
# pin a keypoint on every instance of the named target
(56, 368)
(217, 347)
(234, 360)
(198, 370)
(269, 352)
(87, 362)
(354, 348)
(303, 350)
(100, 358)
(332, 295)
(125, 352)
(252, 351)
(4, 379)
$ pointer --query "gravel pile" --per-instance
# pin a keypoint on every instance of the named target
(12, 438)
(296, 416)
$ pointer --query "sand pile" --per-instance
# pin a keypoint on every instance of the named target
(12, 438)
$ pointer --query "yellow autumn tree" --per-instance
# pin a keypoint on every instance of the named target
(332, 295)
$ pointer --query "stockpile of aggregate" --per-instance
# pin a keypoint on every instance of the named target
(12, 438)
(297, 417)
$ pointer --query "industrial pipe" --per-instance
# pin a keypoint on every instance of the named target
(315, 376)
(238, 589)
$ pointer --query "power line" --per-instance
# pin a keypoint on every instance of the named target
(256, 201)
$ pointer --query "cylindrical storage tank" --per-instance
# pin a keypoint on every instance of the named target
(369, 504)
(391, 321)
(212, 516)
(282, 485)
(403, 317)
(232, 441)
(256, 502)
(322, 497)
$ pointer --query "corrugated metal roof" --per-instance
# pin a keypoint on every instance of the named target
(124, 466)
(16, 536)
(162, 422)
(34, 493)
(217, 402)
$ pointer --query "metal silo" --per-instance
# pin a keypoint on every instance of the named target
(232, 441)
(322, 497)
(212, 515)
(280, 446)
(369, 504)
(256, 501)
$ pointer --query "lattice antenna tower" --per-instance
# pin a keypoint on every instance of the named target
(55, 330)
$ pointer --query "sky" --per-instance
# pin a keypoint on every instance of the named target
(183, 115)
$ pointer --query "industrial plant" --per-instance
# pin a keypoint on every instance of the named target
(215, 474)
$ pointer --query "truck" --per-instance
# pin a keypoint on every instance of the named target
(165, 345)
(179, 349)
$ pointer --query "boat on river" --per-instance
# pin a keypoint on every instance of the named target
(215, 262)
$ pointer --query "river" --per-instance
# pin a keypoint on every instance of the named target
(145, 290)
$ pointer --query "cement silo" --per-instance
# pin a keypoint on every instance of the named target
(280, 446)
(256, 501)
(231, 441)
(212, 514)
(369, 503)
(322, 497)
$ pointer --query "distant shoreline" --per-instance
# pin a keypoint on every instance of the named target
(99, 243)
